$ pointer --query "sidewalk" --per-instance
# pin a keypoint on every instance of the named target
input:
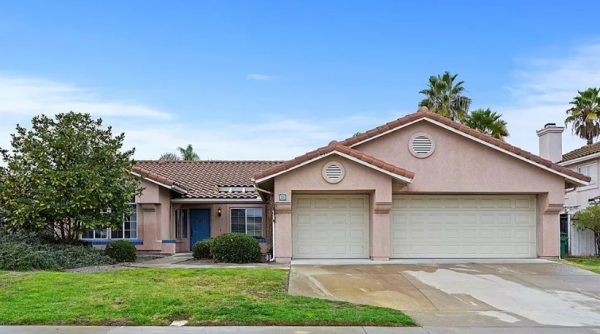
(292, 330)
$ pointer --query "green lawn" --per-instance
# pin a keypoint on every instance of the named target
(159, 296)
(589, 263)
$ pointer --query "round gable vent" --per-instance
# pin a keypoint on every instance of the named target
(333, 172)
(421, 145)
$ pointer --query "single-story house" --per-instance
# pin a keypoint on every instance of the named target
(421, 186)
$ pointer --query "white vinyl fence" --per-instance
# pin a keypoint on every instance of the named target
(581, 243)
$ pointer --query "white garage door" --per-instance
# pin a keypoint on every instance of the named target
(330, 226)
(463, 226)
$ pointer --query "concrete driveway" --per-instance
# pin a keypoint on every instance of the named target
(521, 294)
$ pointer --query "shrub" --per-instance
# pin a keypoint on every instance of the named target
(20, 255)
(121, 251)
(201, 249)
(235, 248)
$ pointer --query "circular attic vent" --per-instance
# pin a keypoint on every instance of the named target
(333, 172)
(421, 145)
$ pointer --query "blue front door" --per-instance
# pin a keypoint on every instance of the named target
(199, 225)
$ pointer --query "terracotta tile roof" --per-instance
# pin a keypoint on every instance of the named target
(581, 152)
(202, 179)
(425, 113)
(421, 114)
(334, 146)
(155, 177)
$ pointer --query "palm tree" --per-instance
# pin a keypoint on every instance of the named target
(444, 97)
(488, 122)
(188, 153)
(584, 114)
(169, 157)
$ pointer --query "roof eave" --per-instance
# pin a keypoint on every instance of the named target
(395, 176)
(173, 187)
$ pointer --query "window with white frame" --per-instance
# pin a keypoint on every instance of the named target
(590, 170)
(128, 229)
(181, 223)
(247, 220)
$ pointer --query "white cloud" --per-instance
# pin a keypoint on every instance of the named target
(260, 77)
(542, 90)
(31, 96)
(153, 132)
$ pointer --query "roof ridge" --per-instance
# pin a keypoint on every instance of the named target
(423, 113)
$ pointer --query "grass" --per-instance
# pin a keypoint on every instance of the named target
(589, 263)
(160, 296)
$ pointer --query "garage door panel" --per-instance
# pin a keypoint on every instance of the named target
(455, 226)
(331, 226)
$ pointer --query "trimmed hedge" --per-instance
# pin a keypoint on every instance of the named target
(121, 251)
(201, 249)
(31, 251)
(235, 248)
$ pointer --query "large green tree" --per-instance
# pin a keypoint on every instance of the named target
(488, 122)
(188, 153)
(66, 174)
(444, 96)
(583, 114)
(589, 219)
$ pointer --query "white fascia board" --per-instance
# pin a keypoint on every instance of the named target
(173, 187)
(581, 159)
(449, 128)
(395, 176)
(217, 200)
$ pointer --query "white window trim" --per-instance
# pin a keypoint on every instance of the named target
(262, 216)
(108, 230)
(187, 224)
(595, 177)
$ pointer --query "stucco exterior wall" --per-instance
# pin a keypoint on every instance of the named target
(357, 179)
(580, 196)
(153, 210)
(222, 224)
(458, 166)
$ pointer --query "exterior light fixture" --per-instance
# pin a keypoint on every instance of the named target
(219, 212)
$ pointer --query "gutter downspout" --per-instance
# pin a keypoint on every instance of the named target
(272, 218)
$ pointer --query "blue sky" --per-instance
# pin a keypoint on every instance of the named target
(273, 79)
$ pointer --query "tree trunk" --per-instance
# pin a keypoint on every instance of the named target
(597, 236)
(590, 140)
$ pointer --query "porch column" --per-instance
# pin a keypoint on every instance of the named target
(283, 232)
(380, 231)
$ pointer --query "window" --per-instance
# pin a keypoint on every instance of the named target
(236, 189)
(128, 229)
(247, 221)
(181, 224)
(590, 170)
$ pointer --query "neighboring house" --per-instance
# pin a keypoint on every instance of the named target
(584, 160)
(421, 186)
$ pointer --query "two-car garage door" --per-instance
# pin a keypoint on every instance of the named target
(469, 226)
(421, 226)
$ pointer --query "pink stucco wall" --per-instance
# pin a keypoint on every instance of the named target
(458, 166)
(358, 179)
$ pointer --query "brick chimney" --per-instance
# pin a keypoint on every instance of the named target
(551, 142)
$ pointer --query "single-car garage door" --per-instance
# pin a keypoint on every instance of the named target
(330, 226)
(453, 226)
